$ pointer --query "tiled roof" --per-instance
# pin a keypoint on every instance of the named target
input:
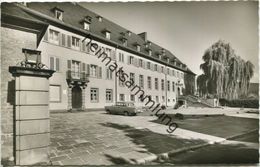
(11, 9)
(74, 14)
(13, 15)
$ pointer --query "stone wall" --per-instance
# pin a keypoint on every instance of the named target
(12, 42)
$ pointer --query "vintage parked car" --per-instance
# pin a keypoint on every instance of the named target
(124, 108)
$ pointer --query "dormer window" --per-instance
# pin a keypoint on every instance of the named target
(129, 33)
(159, 56)
(149, 43)
(125, 42)
(146, 45)
(150, 52)
(86, 26)
(58, 13)
(163, 50)
(107, 35)
(168, 59)
(99, 18)
(138, 48)
(88, 19)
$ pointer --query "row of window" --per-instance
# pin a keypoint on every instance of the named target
(170, 85)
(148, 65)
(86, 26)
(55, 95)
(94, 96)
(75, 43)
(96, 71)
(77, 67)
(133, 98)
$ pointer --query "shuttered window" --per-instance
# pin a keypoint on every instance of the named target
(46, 35)
(155, 67)
(162, 84)
(99, 72)
(52, 63)
(69, 41)
(83, 46)
(83, 66)
(113, 54)
(141, 81)
(69, 64)
(54, 37)
(140, 63)
(109, 74)
(121, 57)
(93, 70)
(55, 64)
(149, 82)
(88, 69)
(63, 39)
(156, 83)
(143, 64)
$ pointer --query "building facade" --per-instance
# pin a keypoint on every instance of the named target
(82, 80)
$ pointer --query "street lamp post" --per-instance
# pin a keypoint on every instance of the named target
(32, 59)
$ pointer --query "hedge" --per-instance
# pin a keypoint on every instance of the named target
(242, 103)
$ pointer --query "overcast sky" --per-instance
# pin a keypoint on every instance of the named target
(187, 29)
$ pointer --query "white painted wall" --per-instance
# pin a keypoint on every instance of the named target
(59, 78)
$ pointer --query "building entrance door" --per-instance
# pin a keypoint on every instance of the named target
(76, 97)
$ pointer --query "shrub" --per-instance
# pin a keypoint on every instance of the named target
(242, 103)
(179, 116)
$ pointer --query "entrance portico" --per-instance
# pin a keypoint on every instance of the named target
(76, 90)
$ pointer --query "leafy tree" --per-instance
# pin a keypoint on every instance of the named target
(225, 74)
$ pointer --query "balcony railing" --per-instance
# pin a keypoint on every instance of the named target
(77, 76)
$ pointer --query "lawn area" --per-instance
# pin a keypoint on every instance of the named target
(215, 154)
(221, 126)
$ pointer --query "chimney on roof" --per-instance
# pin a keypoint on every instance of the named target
(143, 35)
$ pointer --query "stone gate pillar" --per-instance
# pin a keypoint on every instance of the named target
(83, 88)
(31, 118)
(69, 98)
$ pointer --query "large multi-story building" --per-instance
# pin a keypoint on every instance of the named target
(62, 31)
(82, 80)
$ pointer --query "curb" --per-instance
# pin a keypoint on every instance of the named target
(166, 155)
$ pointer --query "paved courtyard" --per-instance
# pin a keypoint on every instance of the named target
(96, 138)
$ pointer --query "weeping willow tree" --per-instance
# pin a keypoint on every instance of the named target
(225, 74)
